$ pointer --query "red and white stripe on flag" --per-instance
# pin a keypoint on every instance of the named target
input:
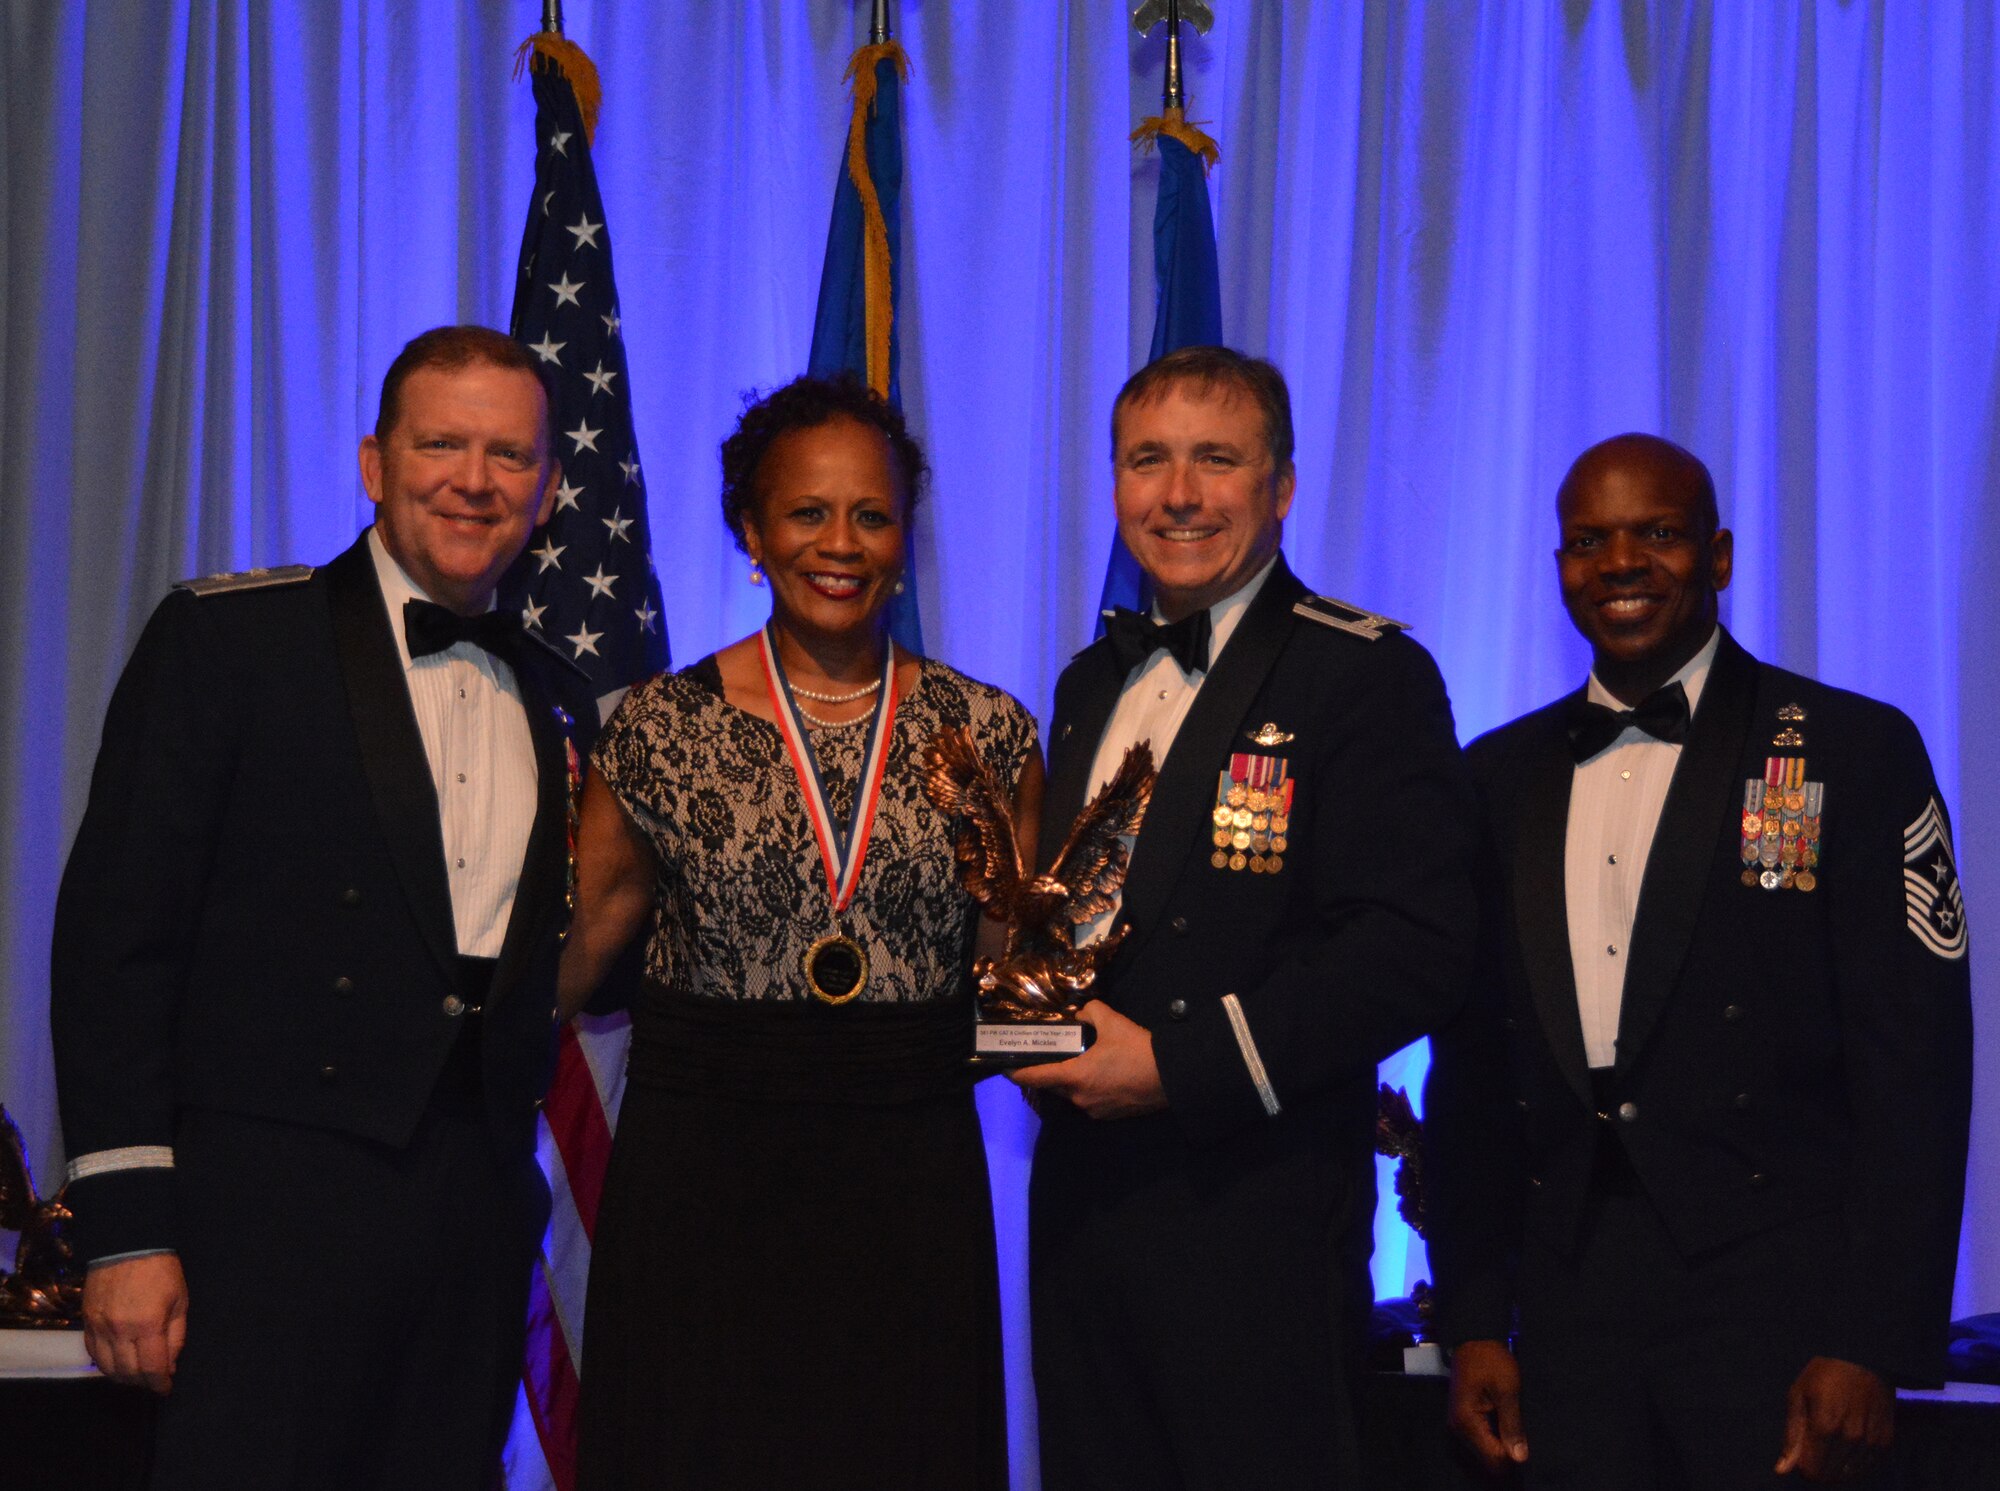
(574, 1146)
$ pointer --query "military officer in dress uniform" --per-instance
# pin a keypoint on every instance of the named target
(303, 974)
(1299, 906)
(1705, 1119)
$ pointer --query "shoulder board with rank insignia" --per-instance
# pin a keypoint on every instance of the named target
(247, 579)
(1342, 617)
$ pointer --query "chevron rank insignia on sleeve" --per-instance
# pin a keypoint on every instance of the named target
(1931, 896)
(247, 579)
(1342, 617)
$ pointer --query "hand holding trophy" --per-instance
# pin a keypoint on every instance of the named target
(1030, 994)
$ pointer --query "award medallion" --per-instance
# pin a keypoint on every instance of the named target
(835, 966)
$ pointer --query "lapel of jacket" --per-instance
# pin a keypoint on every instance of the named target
(1177, 819)
(1092, 695)
(392, 751)
(546, 865)
(1541, 901)
(1704, 796)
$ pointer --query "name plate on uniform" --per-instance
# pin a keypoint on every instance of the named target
(1018, 1043)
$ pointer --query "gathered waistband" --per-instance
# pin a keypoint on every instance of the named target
(800, 1051)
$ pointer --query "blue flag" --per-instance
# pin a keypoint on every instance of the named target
(586, 584)
(854, 329)
(1188, 308)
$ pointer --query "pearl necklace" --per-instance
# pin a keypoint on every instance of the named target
(819, 698)
(827, 724)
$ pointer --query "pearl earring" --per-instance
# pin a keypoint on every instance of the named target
(756, 573)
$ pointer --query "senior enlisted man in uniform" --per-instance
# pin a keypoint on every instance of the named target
(1299, 907)
(1705, 1119)
(304, 970)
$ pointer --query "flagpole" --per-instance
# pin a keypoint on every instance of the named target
(878, 24)
(552, 16)
(1170, 95)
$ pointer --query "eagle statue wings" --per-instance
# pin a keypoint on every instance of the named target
(1042, 971)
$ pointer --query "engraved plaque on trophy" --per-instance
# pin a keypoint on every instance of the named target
(1028, 997)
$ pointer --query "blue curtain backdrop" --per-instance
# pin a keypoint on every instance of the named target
(1476, 236)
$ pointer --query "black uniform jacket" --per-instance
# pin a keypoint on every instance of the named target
(255, 915)
(1781, 1053)
(1357, 946)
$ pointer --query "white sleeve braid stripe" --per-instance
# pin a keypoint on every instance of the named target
(137, 1157)
(1233, 1007)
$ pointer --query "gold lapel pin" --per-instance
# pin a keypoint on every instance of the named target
(1270, 735)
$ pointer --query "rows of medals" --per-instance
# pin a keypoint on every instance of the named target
(1253, 808)
(1781, 826)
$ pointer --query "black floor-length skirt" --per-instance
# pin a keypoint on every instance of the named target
(793, 1281)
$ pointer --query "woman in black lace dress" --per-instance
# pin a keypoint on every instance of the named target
(793, 1280)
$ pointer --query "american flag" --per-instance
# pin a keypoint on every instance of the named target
(587, 585)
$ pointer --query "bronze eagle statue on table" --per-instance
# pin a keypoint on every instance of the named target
(1042, 970)
(46, 1288)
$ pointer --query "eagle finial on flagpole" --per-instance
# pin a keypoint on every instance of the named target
(1173, 12)
(878, 24)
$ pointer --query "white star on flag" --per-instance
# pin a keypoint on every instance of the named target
(559, 142)
(550, 553)
(531, 614)
(584, 640)
(547, 348)
(600, 381)
(617, 523)
(611, 322)
(566, 291)
(566, 495)
(584, 436)
(631, 470)
(647, 616)
(600, 583)
(586, 231)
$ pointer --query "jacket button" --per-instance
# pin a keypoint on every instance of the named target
(1742, 1102)
(1732, 1012)
(1760, 1180)
(343, 985)
(1522, 1104)
(1629, 1112)
(1177, 1009)
(328, 1072)
(1535, 1181)
(1179, 924)
(453, 1005)
(350, 897)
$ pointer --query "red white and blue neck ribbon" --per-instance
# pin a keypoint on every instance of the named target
(842, 847)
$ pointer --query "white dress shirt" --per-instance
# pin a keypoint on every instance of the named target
(482, 759)
(1157, 696)
(1614, 808)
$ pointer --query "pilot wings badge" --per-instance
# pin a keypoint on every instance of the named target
(1029, 995)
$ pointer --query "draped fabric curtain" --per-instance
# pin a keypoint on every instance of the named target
(1476, 237)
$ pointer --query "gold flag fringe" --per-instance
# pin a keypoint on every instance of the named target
(1173, 124)
(879, 312)
(575, 65)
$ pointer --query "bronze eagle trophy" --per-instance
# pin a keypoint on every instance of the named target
(1041, 974)
(46, 1288)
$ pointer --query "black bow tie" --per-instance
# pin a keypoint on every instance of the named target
(429, 627)
(1662, 714)
(1135, 638)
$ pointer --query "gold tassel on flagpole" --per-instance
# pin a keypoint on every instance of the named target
(574, 64)
(1173, 124)
(875, 228)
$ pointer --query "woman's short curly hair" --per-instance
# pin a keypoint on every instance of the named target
(804, 404)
